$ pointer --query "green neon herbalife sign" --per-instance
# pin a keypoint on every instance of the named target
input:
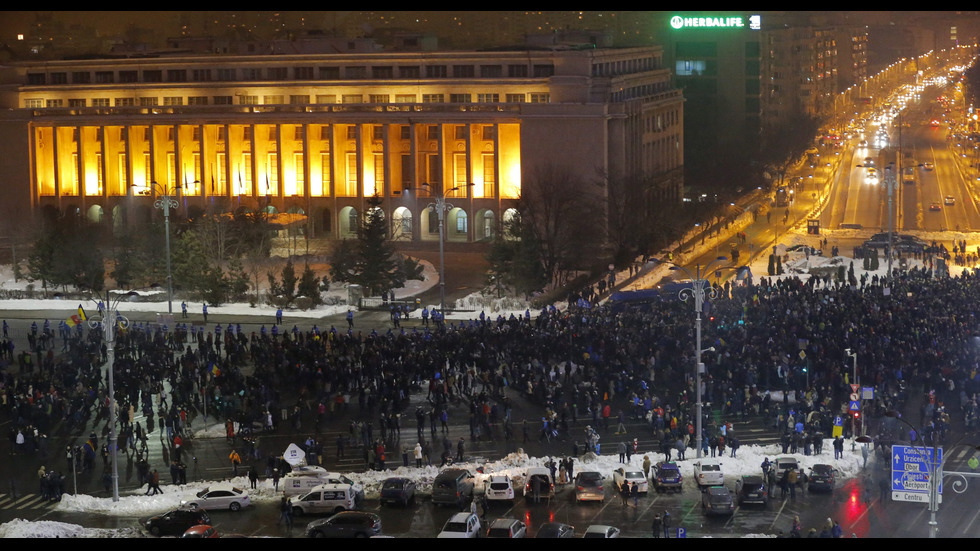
(727, 22)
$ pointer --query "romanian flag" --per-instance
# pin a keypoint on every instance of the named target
(76, 319)
(214, 370)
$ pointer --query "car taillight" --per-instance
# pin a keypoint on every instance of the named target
(600, 488)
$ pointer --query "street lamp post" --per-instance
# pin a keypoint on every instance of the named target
(108, 334)
(700, 288)
(166, 201)
(440, 207)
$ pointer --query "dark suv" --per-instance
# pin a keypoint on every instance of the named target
(751, 489)
(176, 522)
(397, 490)
(453, 487)
(666, 477)
(822, 477)
(346, 524)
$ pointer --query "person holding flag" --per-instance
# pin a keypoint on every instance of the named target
(76, 319)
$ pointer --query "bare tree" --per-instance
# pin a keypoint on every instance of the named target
(567, 215)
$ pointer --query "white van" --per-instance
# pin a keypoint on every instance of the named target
(546, 483)
(326, 499)
(300, 481)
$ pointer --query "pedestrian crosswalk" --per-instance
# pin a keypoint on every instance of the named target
(26, 501)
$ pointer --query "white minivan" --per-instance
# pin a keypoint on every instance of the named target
(305, 479)
(326, 499)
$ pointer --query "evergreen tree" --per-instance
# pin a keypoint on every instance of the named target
(343, 261)
(378, 266)
(309, 286)
(68, 254)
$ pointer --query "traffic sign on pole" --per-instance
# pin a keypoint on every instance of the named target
(912, 467)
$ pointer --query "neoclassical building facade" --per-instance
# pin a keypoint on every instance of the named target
(309, 138)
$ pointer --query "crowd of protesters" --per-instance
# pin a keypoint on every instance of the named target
(776, 348)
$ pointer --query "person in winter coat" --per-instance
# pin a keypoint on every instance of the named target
(791, 480)
(796, 530)
(656, 526)
(646, 466)
(836, 531)
(235, 459)
(418, 454)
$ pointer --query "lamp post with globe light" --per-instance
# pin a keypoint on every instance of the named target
(440, 207)
(109, 321)
(166, 200)
(700, 289)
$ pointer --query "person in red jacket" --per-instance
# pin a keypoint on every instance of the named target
(178, 447)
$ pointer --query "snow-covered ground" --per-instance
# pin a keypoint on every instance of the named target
(748, 461)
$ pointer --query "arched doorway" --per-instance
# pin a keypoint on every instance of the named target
(485, 227)
(119, 218)
(457, 225)
(95, 214)
(510, 218)
(347, 220)
(401, 224)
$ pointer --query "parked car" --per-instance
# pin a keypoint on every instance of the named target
(784, 462)
(200, 531)
(346, 524)
(666, 477)
(601, 531)
(453, 487)
(622, 476)
(752, 489)
(176, 522)
(717, 500)
(822, 477)
(555, 530)
(218, 497)
(507, 528)
(499, 487)
(461, 525)
(325, 498)
(543, 476)
(588, 487)
(307, 477)
(397, 490)
(707, 472)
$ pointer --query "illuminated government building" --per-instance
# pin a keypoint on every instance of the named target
(315, 135)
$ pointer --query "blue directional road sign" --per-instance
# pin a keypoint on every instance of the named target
(911, 467)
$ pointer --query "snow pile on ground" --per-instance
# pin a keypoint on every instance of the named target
(134, 504)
